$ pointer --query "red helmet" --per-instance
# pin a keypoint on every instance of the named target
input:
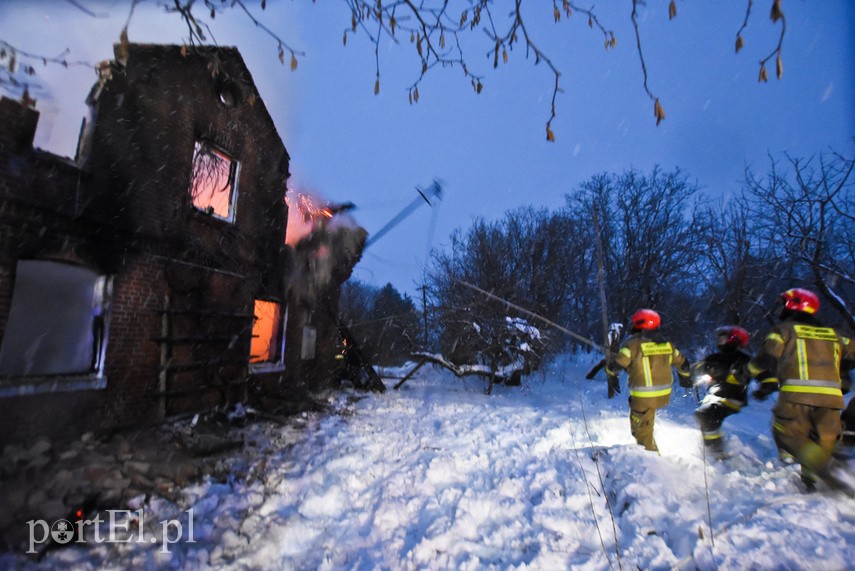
(645, 319)
(798, 299)
(731, 336)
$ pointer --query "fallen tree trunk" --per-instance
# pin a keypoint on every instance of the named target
(508, 373)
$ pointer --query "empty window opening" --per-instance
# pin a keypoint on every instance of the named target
(57, 322)
(213, 183)
(268, 339)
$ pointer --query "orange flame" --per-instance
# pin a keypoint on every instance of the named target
(303, 216)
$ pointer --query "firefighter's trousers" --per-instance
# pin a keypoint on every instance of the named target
(809, 433)
(641, 420)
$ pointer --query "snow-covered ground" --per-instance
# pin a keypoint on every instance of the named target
(437, 475)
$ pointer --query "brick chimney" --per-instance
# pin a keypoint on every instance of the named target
(19, 121)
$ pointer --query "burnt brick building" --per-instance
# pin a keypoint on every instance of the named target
(149, 276)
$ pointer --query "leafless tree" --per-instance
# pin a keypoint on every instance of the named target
(648, 229)
(524, 259)
(436, 30)
(727, 254)
(804, 208)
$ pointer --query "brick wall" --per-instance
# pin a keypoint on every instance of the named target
(125, 211)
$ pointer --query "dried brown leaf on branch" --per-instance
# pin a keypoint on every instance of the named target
(658, 111)
(776, 14)
(428, 32)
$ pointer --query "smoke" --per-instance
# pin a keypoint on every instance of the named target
(326, 243)
(306, 211)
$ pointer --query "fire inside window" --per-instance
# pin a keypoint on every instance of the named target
(213, 183)
(57, 321)
(267, 333)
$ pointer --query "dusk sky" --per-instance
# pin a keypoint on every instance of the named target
(490, 149)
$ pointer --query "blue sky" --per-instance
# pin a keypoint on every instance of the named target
(347, 144)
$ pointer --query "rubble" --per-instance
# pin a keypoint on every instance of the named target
(52, 480)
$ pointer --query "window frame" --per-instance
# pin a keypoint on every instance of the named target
(233, 179)
(279, 363)
(18, 384)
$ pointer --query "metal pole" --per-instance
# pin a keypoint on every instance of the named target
(532, 314)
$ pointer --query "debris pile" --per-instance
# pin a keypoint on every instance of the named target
(52, 480)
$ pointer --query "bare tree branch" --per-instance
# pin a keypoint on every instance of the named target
(435, 34)
(86, 10)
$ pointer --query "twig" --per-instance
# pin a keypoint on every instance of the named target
(634, 18)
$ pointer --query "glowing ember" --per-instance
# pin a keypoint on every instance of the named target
(303, 215)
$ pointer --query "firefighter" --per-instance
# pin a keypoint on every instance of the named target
(726, 378)
(804, 361)
(647, 359)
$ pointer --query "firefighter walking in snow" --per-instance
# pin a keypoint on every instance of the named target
(804, 361)
(725, 376)
(647, 359)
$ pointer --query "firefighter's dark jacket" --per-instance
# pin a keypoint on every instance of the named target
(727, 368)
(804, 361)
(648, 361)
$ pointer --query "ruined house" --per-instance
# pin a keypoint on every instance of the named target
(150, 277)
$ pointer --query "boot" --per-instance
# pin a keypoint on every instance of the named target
(715, 448)
(809, 483)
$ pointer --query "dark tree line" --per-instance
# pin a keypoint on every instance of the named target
(665, 245)
(385, 322)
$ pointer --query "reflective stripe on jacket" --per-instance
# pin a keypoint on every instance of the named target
(648, 364)
(806, 360)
